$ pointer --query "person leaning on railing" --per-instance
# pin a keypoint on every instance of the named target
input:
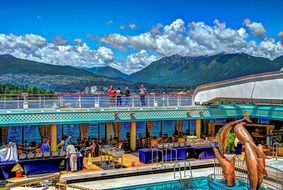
(119, 95)
(112, 94)
(143, 93)
(127, 96)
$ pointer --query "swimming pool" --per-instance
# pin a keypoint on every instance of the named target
(198, 183)
(278, 164)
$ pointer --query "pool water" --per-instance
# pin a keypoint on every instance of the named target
(199, 183)
(278, 164)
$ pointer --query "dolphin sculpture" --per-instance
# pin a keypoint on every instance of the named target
(254, 156)
(228, 167)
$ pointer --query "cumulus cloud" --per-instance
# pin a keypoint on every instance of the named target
(178, 37)
(60, 41)
(139, 60)
(256, 28)
(116, 40)
(199, 38)
(280, 36)
(132, 26)
(122, 27)
(36, 48)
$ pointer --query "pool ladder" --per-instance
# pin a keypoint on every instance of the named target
(274, 150)
(177, 164)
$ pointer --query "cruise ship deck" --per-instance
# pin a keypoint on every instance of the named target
(193, 120)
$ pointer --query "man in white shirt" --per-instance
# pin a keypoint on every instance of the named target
(72, 153)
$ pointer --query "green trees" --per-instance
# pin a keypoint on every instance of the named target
(8, 88)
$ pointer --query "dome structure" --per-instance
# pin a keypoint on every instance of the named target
(259, 89)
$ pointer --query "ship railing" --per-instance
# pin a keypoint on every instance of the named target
(273, 179)
(39, 101)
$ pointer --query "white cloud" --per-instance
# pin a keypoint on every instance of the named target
(199, 38)
(116, 40)
(36, 48)
(139, 60)
(109, 22)
(122, 27)
(192, 39)
(60, 41)
(256, 27)
(280, 36)
(132, 26)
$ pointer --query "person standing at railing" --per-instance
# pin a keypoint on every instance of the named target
(142, 94)
(127, 96)
(111, 93)
(119, 95)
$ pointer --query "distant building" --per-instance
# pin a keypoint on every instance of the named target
(93, 89)
(86, 90)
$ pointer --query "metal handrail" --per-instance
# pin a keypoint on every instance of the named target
(93, 100)
(177, 163)
(274, 150)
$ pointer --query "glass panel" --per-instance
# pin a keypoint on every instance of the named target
(15, 134)
(141, 129)
(192, 127)
(59, 132)
(156, 128)
(31, 134)
(93, 130)
(73, 130)
(125, 128)
(168, 127)
(102, 130)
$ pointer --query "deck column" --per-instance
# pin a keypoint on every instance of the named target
(198, 127)
(53, 137)
(109, 130)
(133, 135)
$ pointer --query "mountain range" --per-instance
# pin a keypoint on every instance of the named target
(204, 69)
(107, 71)
(58, 78)
(172, 73)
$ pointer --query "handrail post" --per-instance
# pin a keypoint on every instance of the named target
(4, 100)
(80, 103)
(39, 103)
(133, 101)
(18, 101)
(61, 101)
(167, 100)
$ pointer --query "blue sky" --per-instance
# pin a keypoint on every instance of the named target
(90, 21)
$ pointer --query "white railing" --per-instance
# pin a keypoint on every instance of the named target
(90, 101)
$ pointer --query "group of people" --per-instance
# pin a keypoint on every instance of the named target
(115, 96)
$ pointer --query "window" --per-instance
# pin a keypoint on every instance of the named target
(73, 130)
(31, 134)
(124, 129)
(93, 130)
(15, 134)
(168, 127)
(156, 128)
(141, 129)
